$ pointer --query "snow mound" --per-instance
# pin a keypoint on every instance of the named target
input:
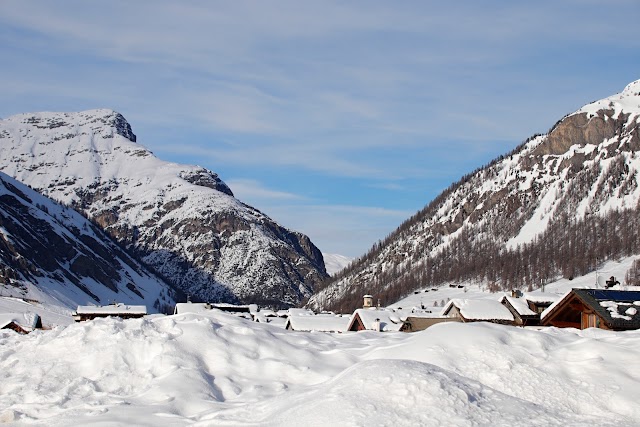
(403, 392)
(215, 369)
(566, 370)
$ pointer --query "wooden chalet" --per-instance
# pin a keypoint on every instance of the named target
(246, 311)
(539, 301)
(123, 311)
(595, 308)
(22, 323)
(374, 319)
(522, 313)
(414, 323)
(481, 310)
(318, 323)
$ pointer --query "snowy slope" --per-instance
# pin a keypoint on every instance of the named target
(181, 220)
(51, 254)
(587, 166)
(51, 312)
(433, 299)
(335, 262)
(155, 371)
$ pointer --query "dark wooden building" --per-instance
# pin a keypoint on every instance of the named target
(595, 308)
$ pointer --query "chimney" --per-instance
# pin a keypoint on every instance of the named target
(368, 301)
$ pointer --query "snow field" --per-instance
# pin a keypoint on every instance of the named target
(216, 369)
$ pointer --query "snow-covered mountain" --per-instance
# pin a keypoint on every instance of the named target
(180, 220)
(51, 254)
(559, 204)
(335, 262)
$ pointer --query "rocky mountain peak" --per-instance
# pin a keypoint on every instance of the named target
(632, 89)
(602, 120)
(181, 220)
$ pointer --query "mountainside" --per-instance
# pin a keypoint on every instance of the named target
(52, 254)
(335, 262)
(559, 204)
(180, 220)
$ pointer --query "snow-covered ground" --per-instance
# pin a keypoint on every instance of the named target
(216, 369)
(433, 299)
(51, 315)
(212, 368)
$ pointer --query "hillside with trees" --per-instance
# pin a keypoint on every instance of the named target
(559, 205)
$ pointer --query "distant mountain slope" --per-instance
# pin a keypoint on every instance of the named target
(335, 262)
(52, 254)
(559, 204)
(181, 220)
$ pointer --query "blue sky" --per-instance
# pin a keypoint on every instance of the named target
(339, 119)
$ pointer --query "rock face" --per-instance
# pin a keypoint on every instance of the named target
(180, 220)
(587, 166)
(50, 252)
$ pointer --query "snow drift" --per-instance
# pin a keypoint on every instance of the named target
(216, 369)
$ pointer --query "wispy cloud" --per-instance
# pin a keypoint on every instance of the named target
(412, 92)
(250, 189)
(340, 229)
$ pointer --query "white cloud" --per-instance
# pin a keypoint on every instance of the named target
(339, 229)
(250, 189)
(371, 90)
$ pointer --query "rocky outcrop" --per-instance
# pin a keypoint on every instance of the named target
(55, 249)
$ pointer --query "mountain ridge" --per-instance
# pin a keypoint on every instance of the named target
(180, 220)
(585, 167)
(52, 254)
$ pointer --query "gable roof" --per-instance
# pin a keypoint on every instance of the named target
(479, 309)
(27, 320)
(191, 307)
(389, 320)
(114, 309)
(541, 297)
(519, 305)
(620, 309)
(8, 318)
(319, 323)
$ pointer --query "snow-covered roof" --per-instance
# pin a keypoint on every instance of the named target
(280, 322)
(112, 309)
(268, 313)
(8, 318)
(541, 297)
(549, 309)
(389, 320)
(479, 309)
(24, 320)
(619, 309)
(191, 307)
(519, 305)
(300, 312)
(319, 322)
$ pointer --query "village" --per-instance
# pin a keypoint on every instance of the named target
(455, 353)
(610, 307)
